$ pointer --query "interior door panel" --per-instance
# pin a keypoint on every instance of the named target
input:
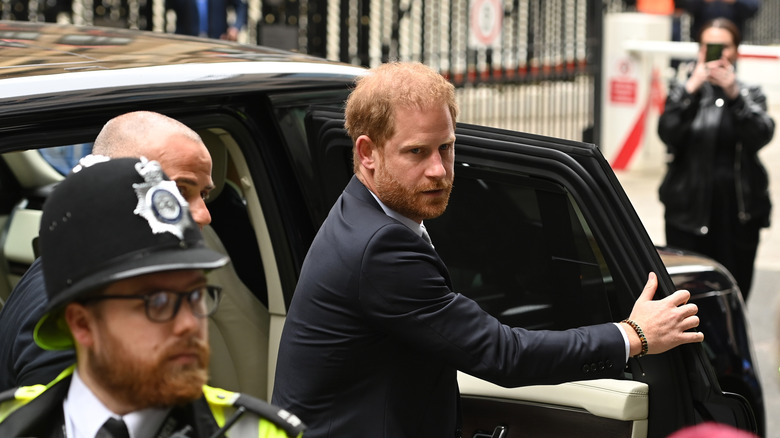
(603, 408)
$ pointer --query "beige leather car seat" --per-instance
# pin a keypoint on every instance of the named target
(239, 330)
(17, 245)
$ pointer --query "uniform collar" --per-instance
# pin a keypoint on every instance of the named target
(85, 414)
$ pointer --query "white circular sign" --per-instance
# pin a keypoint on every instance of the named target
(486, 21)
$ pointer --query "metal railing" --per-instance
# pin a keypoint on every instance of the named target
(527, 65)
(533, 65)
(763, 29)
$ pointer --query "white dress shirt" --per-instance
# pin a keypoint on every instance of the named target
(85, 414)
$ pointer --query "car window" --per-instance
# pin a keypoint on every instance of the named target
(320, 177)
(63, 158)
(521, 248)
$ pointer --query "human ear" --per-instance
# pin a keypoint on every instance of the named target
(366, 151)
(81, 323)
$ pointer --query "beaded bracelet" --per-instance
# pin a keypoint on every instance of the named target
(641, 335)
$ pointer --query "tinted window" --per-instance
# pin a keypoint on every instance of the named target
(63, 158)
(521, 248)
(323, 165)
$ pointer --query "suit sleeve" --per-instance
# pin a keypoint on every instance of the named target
(24, 362)
(403, 291)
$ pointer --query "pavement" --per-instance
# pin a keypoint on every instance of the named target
(641, 186)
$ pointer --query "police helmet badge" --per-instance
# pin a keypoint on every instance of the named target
(159, 201)
(137, 223)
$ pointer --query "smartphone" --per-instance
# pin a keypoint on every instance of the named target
(713, 52)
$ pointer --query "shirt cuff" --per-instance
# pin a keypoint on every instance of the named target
(625, 339)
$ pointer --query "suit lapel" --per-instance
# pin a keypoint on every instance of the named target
(358, 190)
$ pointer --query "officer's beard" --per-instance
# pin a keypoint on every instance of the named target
(144, 382)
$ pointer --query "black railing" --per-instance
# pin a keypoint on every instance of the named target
(523, 65)
(763, 29)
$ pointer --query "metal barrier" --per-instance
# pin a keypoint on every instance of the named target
(527, 65)
(762, 29)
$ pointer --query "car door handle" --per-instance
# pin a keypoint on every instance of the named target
(498, 432)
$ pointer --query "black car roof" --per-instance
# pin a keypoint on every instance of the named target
(44, 61)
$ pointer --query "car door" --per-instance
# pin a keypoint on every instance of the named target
(539, 232)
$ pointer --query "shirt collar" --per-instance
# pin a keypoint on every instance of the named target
(412, 225)
(85, 414)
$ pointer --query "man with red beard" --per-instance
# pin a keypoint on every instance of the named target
(375, 334)
(185, 160)
(123, 265)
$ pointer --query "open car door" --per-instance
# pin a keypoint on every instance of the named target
(541, 234)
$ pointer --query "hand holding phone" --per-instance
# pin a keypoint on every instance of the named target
(713, 52)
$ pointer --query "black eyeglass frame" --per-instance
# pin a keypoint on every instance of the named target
(215, 292)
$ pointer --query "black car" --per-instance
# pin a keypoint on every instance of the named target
(539, 230)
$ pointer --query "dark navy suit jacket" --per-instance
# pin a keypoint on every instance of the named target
(375, 334)
(22, 361)
(187, 19)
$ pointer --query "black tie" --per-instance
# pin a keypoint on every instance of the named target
(113, 428)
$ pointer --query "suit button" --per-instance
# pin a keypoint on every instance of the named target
(586, 368)
(602, 366)
(594, 367)
(609, 364)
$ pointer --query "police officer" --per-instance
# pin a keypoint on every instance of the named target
(123, 263)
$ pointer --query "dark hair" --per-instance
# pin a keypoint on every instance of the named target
(722, 23)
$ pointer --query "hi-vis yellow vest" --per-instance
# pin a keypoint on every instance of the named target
(246, 416)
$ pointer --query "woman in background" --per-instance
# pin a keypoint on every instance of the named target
(716, 191)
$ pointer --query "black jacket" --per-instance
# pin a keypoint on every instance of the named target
(689, 126)
(375, 334)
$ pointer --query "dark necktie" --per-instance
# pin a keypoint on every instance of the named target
(113, 428)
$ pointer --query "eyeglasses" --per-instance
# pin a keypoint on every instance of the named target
(162, 306)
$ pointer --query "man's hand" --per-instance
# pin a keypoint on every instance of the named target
(664, 322)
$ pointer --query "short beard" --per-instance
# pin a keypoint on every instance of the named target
(406, 200)
(154, 382)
